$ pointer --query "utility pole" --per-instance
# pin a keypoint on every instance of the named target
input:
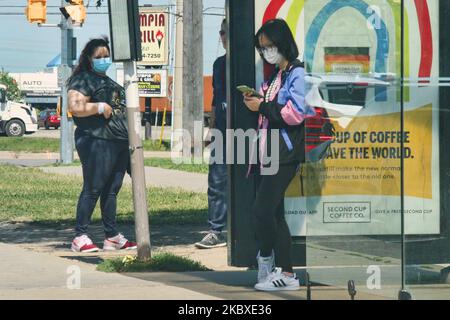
(137, 162)
(126, 47)
(177, 103)
(36, 11)
(193, 73)
(67, 49)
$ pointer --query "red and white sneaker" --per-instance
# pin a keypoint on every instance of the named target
(83, 244)
(119, 242)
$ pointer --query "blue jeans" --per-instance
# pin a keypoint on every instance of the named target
(217, 197)
(105, 163)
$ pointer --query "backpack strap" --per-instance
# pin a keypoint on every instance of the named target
(292, 66)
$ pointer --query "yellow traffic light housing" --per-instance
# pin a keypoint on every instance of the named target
(76, 11)
(59, 109)
(36, 11)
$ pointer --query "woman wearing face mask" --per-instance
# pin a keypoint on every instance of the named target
(101, 146)
(283, 108)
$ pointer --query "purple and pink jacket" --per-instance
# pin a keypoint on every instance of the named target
(285, 111)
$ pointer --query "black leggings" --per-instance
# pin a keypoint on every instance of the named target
(272, 231)
(105, 163)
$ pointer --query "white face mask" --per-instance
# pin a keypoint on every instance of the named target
(272, 55)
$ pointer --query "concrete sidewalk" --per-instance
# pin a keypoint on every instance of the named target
(35, 262)
(154, 177)
(28, 275)
(27, 159)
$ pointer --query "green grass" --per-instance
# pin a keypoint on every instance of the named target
(32, 145)
(30, 195)
(153, 145)
(167, 163)
(44, 145)
(166, 262)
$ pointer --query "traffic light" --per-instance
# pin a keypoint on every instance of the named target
(76, 11)
(36, 11)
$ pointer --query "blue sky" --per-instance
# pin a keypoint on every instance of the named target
(25, 47)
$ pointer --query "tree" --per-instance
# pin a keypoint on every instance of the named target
(13, 91)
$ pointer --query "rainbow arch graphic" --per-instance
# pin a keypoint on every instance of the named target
(424, 20)
(325, 14)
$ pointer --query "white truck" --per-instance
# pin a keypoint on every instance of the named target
(16, 119)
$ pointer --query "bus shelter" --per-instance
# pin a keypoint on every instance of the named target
(374, 213)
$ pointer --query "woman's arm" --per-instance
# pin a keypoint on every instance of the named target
(80, 106)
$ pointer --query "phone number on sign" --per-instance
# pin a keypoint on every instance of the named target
(151, 56)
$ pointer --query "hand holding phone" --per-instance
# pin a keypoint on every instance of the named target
(253, 92)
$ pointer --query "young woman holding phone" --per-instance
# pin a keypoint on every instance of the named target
(283, 108)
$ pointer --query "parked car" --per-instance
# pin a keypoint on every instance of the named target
(49, 119)
(16, 118)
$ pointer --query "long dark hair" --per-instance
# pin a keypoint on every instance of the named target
(278, 31)
(85, 63)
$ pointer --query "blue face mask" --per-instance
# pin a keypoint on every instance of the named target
(101, 65)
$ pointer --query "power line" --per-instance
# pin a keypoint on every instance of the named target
(48, 13)
(23, 7)
(104, 6)
(94, 13)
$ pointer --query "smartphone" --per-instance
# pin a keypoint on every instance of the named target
(246, 89)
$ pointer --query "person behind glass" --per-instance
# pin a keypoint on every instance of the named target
(217, 177)
(102, 148)
(283, 108)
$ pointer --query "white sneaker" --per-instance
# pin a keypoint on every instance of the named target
(265, 266)
(278, 281)
(119, 242)
(83, 244)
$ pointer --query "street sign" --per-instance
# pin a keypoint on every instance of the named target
(154, 24)
(42, 99)
(152, 83)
